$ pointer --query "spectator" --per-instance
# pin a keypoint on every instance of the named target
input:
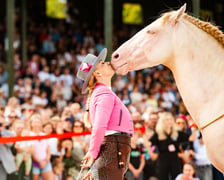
(151, 152)
(203, 165)
(137, 159)
(40, 151)
(58, 169)
(12, 107)
(56, 154)
(167, 138)
(44, 74)
(80, 145)
(48, 47)
(67, 77)
(76, 110)
(7, 165)
(23, 153)
(189, 172)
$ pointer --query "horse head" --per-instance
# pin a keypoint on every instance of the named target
(151, 46)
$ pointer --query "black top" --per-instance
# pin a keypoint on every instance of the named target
(169, 144)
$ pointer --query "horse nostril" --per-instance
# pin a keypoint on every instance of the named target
(116, 56)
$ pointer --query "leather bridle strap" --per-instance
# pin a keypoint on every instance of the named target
(214, 120)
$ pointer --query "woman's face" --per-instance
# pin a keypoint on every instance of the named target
(48, 129)
(169, 121)
(181, 124)
(36, 123)
(78, 127)
(105, 69)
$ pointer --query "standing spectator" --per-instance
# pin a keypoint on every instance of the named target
(151, 152)
(203, 165)
(7, 165)
(137, 159)
(167, 138)
(80, 144)
(48, 128)
(40, 151)
(23, 149)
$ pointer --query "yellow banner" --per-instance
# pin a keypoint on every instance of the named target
(56, 9)
(132, 13)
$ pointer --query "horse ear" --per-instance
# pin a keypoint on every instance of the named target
(179, 13)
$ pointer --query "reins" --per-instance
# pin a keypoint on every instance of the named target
(208, 124)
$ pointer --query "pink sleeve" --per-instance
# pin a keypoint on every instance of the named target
(103, 107)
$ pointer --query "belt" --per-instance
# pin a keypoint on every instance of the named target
(122, 134)
(203, 166)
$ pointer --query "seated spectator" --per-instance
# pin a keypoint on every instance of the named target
(12, 106)
(48, 46)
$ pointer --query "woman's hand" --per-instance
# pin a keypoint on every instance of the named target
(88, 175)
(87, 161)
(43, 163)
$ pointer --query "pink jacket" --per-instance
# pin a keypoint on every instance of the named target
(107, 112)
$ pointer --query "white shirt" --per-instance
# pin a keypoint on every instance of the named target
(201, 157)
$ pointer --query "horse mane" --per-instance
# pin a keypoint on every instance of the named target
(207, 27)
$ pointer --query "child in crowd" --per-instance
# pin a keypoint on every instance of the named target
(188, 172)
(58, 168)
(23, 153)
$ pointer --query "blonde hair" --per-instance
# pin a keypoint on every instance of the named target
(91, 86)
(35, 116)
(161, 126)
(13, 101)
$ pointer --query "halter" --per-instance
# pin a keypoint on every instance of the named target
(214, 120)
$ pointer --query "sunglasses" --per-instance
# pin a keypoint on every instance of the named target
(78, 126)
(180, 123)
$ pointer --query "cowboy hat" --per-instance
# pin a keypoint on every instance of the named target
(88, 66)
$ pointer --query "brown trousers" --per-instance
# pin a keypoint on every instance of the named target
(112, 162)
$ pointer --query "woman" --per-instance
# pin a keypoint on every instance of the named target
(167, 138)
(112, 125)
(40, 151)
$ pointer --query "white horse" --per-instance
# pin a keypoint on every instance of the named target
(194, 51)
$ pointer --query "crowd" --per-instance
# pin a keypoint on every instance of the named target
(47, 99)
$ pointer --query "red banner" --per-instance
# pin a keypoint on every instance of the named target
(12, 139)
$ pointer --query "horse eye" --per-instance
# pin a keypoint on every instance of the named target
(151, 32)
